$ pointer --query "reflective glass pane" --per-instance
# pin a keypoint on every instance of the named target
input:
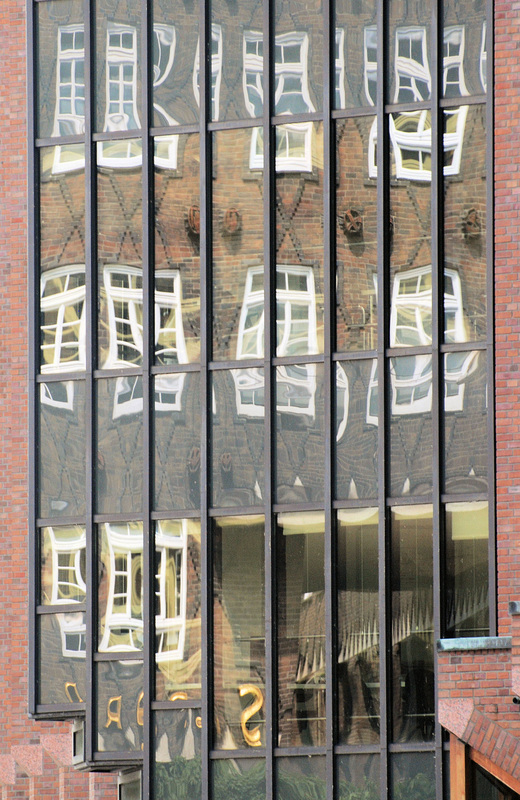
(177, 245)
(358, 620)
(355, 55)
(120, 275)
(175, 63)
(464, 53)
(465, 224)
(465, 422)
(119, 475)
(301, 629)
(63, 565)
(120, 713)
(299, 433)
(238, 469)
(356, 429)
(301, 778)
(411, 425)
(239, 777)
(61, 658)
(298, 57)
(239, 632)
(238, 229)
(61, 451)
(356, 236)
(120, 590)
(177, 609)
(409, 76)
(61, 76)
(177, 764)
(117, 84)
(299, 239)
(467, 569)
(177, 441)
(412, 775)
(358, 777)
(412, 624)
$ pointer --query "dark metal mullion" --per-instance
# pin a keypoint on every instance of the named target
(383, 319)
(90, 388)
(33, 309)
(205, 357)
(437, 267)
(269, 209)
(490, 252)
(148, 396)
(329, 250)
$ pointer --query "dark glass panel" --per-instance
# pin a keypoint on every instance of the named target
(412, 624)
(299, 239)
(465, 223)
(177, 441)
(236, 60)
(358, 621)
(61, 76)
(63, 565)
(238, 469)
(177, 609)
(61, 450)
(298, 57)
(409, 42)
(117, 84)
(299, 433)
(358, 777)
(410, 425)
(239, 632)
(301, 629)
(355, 58)
(301, 778)
(467, 575)
(465, 422)
(177, 762)
(120, 274)
(412, 776)
(238, 231)
(177, 244)
(120, 712)
(356, 429)
(120, 589)
(119, 476)
(239, 778)
(61, 658)
(175, 63)
(464, 48)
(356, 237)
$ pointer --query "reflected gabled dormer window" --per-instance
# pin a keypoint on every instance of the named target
(454, 84)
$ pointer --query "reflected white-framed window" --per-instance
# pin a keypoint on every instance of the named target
(216, 70)
(164, 41)
(370, 58)
(171, 539)
(412, 72)
(62, 307)
(67, 545)
(454, 84)
(252, 74)
(483, 57)
(124, 297)
(342, 401)
(291, 92)
(58, 394)
(170, 343)
(296, 389)
(339, 69)
(73, 631)
(69, 117)
(249, 391)
(123, 623)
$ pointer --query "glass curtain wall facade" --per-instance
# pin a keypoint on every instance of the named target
(261, 386)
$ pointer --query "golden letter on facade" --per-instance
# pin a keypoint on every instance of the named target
(114, 712)
(178, 696)
(70, 690)
(252, 736)
(140, 709)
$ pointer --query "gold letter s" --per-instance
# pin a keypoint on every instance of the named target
(252, 736)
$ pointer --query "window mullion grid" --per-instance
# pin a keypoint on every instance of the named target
(205, 357)
(383, 326)
(33, 348)
(437, 267)
(148, 395)
(269, 211)
(329, 234)
(90, 388)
